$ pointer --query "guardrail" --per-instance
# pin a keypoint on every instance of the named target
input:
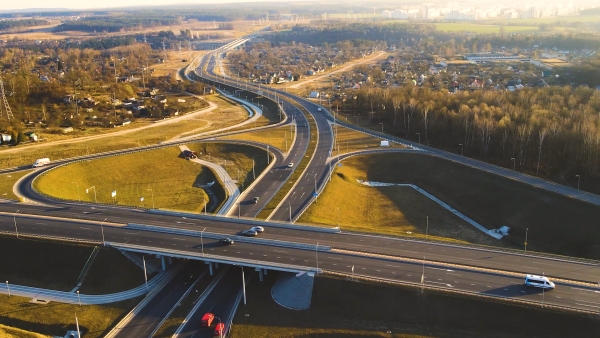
(215, 258)
(252, 222)
(241, 239)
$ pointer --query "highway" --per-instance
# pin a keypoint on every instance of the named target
(247, 254)
(145, 322)
(459, 278)
(219, 302)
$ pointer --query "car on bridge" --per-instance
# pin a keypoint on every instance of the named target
(539, 282)
(249, 233)
(255, 200)
(291, 165)
(258, 229)
(226, 241)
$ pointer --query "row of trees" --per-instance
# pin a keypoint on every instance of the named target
(548, 131)
(12, 24)
(118, 23)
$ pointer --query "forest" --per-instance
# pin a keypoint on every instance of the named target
(549, 131)
(6, 25)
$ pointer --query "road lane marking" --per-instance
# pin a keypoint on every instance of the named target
(178, 239)
(440, 269)
(84, 228)
(280, 251)
(448, 285)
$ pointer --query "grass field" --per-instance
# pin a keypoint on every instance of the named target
(236, 159)
(388, 210)
(342, 309)
(349, 140)
(11, 332)
(275, 137)
(7, 181)
(481, 28)
(158, 175)
(56, 318)
(57, 266)
(224, 115)
(557, 224)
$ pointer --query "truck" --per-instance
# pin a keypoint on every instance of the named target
(40, 162)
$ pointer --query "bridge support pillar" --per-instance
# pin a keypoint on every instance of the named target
(260, 273)
(162, 262)
(210, 268)
(265, 271)
(216, 265)
(170, 260)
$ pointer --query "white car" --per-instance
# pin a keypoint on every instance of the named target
(258, 229)
(290, 165)
(319, 109)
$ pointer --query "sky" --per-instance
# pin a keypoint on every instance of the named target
(87, 4)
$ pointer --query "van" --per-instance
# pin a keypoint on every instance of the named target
(41, 162)
(539, 282)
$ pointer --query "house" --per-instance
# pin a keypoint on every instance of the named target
(6, 137)
(67, 130)
(314, 95)
(356, 86)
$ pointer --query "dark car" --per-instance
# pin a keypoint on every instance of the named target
(226, 241)
(249, 233)
(255, 200)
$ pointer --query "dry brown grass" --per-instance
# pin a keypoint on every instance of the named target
(275, 137)
(348, 140)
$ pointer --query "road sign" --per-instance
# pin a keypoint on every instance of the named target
(315, 194)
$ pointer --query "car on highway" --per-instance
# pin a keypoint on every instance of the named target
(319, 109)
(291, 165)
(538, 282)
(226, 241)
(249, 233)
(207, 319)
(258, 229)
(255, 200)
(219, 330)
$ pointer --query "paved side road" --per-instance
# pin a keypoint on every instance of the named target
(73, 298)
(232, 190)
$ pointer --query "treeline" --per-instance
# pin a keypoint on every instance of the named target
(117, 23)
(549, 131)
(12, 24)
(104, 43)
(427, 38)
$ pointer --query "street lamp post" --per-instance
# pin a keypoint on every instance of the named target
(78, 298)
(419, 134)
(243, 284)
(513, 162)
(316, 195)
(427, 228)
(78, 198)
(381, 127)
(15, 219)
(526, 230)
(462, 149)
(253, 172)
(92, 187)
(578, 180)
(8, 288)
(102, 230)
(290, 208)
(202, 241)
(338, 221)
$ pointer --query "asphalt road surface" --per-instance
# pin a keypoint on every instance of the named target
(484, 282)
